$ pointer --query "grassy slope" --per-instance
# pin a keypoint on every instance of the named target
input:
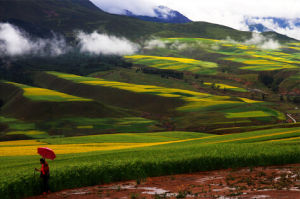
(37, 107)
(157, 105)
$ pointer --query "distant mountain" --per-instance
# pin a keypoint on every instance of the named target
(162, 14)
(41, 17)
(265, 24)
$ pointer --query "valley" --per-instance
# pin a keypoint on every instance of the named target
(193, 97)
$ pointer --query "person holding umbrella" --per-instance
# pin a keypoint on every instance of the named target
(45, 172)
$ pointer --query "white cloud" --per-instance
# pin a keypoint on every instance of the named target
(96, 43)
(263, 42)
(139, 7)
(230, 13)
(12, 40)
(15, 42)
(155, 43)
(291, 30)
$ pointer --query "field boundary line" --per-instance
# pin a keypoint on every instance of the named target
(248, 138)
(286, 139)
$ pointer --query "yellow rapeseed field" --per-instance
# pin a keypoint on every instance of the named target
(68, 148)
(280, 59)
(20, 143)
(7, 150)
(182, 60)
(259, 62)
(249, 101)
(38, 93)
(222, 86)
(46, 92)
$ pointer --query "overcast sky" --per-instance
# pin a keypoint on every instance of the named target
(226, 12)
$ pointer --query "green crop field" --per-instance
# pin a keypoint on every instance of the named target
(90, 160)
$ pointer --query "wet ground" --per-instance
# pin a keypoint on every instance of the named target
(282, 182)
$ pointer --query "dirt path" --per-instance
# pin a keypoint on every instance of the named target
(282, 182)
(290, 116)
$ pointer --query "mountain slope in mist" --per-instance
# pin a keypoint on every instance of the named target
(42, 17)
(162, 14)
(285, 26)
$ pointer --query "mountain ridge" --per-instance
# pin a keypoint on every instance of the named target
(65, 16)
(163, 14)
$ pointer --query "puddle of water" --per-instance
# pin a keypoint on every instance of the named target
(201, 180)
(116, 187)
(224, 197)
(260, 196)
(224, 189)
(153, 190)
(294, 189)
(81, 193)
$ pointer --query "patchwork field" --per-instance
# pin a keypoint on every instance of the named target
(194, 101)
(175, 63)
(106, 158)
(253, 57)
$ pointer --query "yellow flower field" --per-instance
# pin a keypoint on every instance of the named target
(182, 60)
(222, 86)
(43, 94)
(46, 92)
(259, 62)
(174, 63)
(68, 148)
(20, 143)
(249, 101)
(10, 148)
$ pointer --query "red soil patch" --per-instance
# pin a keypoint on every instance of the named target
(259, 182)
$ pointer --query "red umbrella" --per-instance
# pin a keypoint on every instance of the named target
(46, 153)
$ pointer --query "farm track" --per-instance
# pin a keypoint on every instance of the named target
(274, 182)
(290, 116)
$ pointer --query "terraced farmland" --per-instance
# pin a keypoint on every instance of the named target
(255, 58)
(175, 63)
(194, 101)
(42, 94)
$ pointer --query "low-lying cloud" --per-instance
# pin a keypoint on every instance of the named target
(263, 42)
(259, 41)
(15, 42)
(291, 28)
(96, 43)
